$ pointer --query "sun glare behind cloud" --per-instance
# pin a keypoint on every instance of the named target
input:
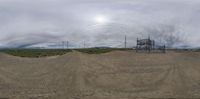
(101, 19)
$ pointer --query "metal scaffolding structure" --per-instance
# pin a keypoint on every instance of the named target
(148, 45)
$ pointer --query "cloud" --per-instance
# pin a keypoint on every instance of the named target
(39, 22)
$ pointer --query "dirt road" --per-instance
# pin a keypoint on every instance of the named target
(114, 75)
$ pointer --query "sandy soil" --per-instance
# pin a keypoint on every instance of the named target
(114, 75)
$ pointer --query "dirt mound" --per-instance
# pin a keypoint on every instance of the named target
(114, 75)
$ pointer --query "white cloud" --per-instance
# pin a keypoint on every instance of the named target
(25, 22)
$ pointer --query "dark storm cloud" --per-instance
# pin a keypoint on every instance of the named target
(37, 22)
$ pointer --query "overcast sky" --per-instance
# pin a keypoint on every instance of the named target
(25, 23)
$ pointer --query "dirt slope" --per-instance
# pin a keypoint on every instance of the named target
(114, 75)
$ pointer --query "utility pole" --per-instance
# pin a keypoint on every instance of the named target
(67, 44)
(125, 42)
(63, 44)
(84, 44)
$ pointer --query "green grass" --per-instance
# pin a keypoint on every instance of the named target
(35, 52)
(101, 50)
(185, 50)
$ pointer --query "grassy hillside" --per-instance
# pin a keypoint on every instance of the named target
(101, 50)
(35, 52)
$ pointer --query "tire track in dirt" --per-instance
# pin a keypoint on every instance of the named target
(183, 75)
(99, 70)
(106, 76)
(81, 90)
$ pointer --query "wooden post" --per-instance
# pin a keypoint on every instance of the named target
(125, 42)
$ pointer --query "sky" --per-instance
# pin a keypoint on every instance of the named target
(97, 23)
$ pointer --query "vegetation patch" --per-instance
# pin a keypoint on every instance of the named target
(101, 50)
(186, 50)
(35, 52)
